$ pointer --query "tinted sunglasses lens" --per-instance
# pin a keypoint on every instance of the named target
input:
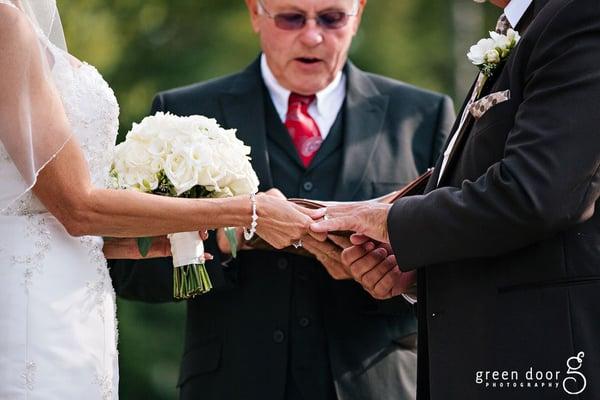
(290, 21)
(332, 19)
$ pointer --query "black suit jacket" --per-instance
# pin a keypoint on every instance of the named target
(234, 334)
(508, 248)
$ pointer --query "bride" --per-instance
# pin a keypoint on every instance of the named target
(58, 123)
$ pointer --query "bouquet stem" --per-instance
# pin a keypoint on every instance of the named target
(190, 277)
(190, 281)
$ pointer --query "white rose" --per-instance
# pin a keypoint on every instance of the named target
(136, 155)
(232, 161)
(139, 179)
(119, 155)
(206, 179)
(180, 170)
(201, 153)
(157, 147)
(205, 124)
(503, 43)
(478, 51)
(245, 185)
(203, 160)
(146, 130)
(133, 166)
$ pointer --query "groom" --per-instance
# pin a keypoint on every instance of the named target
(507, 239)
(280, 327)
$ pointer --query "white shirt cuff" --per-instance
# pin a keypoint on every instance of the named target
(412, 299)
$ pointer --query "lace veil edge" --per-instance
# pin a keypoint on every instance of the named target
(33, 124)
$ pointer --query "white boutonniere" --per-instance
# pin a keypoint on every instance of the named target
(488, 53)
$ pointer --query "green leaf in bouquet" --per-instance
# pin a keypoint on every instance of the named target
(144, 245)
(230, 233)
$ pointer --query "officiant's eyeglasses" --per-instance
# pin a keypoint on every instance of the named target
(290, 21)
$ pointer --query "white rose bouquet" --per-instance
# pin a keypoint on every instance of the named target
(190, 157)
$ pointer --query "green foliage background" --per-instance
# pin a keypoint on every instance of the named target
(143, 46)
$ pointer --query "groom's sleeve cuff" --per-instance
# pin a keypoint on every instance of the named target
(398, 224)
(411, 299)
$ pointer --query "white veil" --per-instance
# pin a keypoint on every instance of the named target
(44, 15)
(33, 126)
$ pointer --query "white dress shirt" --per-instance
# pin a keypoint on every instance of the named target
(515, 10)
(323, 110)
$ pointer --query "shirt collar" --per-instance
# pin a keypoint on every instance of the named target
(515, 10)
(326, 99)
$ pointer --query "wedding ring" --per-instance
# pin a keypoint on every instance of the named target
(297, 244)
(325, 217)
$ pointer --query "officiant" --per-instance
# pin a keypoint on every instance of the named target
(284, 326)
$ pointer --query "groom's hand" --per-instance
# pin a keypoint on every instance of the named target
(367, 218)
(374, 266)
(329, 253)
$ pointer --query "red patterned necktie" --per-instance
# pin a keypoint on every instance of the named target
(302, 127)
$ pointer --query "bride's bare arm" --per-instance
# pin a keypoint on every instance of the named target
(65, 189)
(64, 185)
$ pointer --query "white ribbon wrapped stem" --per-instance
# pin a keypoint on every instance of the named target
(187, 248)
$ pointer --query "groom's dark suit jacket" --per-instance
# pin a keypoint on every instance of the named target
(508, 248)
(277, 326)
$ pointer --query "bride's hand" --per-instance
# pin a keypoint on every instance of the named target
(127, 248)
(282, 223)
(223, 242)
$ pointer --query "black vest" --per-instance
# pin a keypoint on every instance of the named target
(308, 369)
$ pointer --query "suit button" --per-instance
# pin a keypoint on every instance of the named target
(282, 263)
(278, 336)
(304, 322)
(308, 186)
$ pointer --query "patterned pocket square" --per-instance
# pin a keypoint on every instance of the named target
(482, 105)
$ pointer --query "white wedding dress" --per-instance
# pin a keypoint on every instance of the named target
(58, 329)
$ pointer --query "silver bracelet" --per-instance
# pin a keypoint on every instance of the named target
(248, 234)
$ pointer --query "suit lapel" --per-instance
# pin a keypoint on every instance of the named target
(243, 109)
(538, 5)
(465, 130)
(436, 172)
(364, 112)
(463, 133)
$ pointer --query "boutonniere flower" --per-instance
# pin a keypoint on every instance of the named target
(488, 53)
